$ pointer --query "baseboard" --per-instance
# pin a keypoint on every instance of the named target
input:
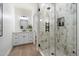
(22, 44)
(8, 52)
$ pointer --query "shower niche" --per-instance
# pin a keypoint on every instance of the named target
(57, 29)
(60, 21)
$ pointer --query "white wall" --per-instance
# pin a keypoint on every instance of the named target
(35, 17)
(8, 28)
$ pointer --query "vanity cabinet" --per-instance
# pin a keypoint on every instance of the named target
(22, 38)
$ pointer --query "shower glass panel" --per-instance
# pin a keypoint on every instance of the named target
(51, 39)
(65, 29)
(44, 14)
(57, 29)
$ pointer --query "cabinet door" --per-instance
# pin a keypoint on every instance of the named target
(30, 37)
(15, 39)
(20, 40)
(25, 38)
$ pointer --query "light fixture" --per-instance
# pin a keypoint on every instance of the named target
(24, 17)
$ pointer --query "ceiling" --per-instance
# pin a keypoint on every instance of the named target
(27, 6)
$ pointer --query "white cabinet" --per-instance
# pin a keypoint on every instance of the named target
(23, 38)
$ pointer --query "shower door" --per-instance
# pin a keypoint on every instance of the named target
(65, 29)
(47, 27)
(44, 28)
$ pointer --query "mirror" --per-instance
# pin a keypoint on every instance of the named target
(1, 19)
(23, 23)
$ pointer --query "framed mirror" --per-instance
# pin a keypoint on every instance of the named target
(1, 19)
(23, 23)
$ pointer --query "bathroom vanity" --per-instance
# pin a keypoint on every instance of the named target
(23, 38)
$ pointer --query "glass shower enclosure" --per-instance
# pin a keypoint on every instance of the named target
(57, 29)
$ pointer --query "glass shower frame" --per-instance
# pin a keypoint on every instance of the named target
(48, 40)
